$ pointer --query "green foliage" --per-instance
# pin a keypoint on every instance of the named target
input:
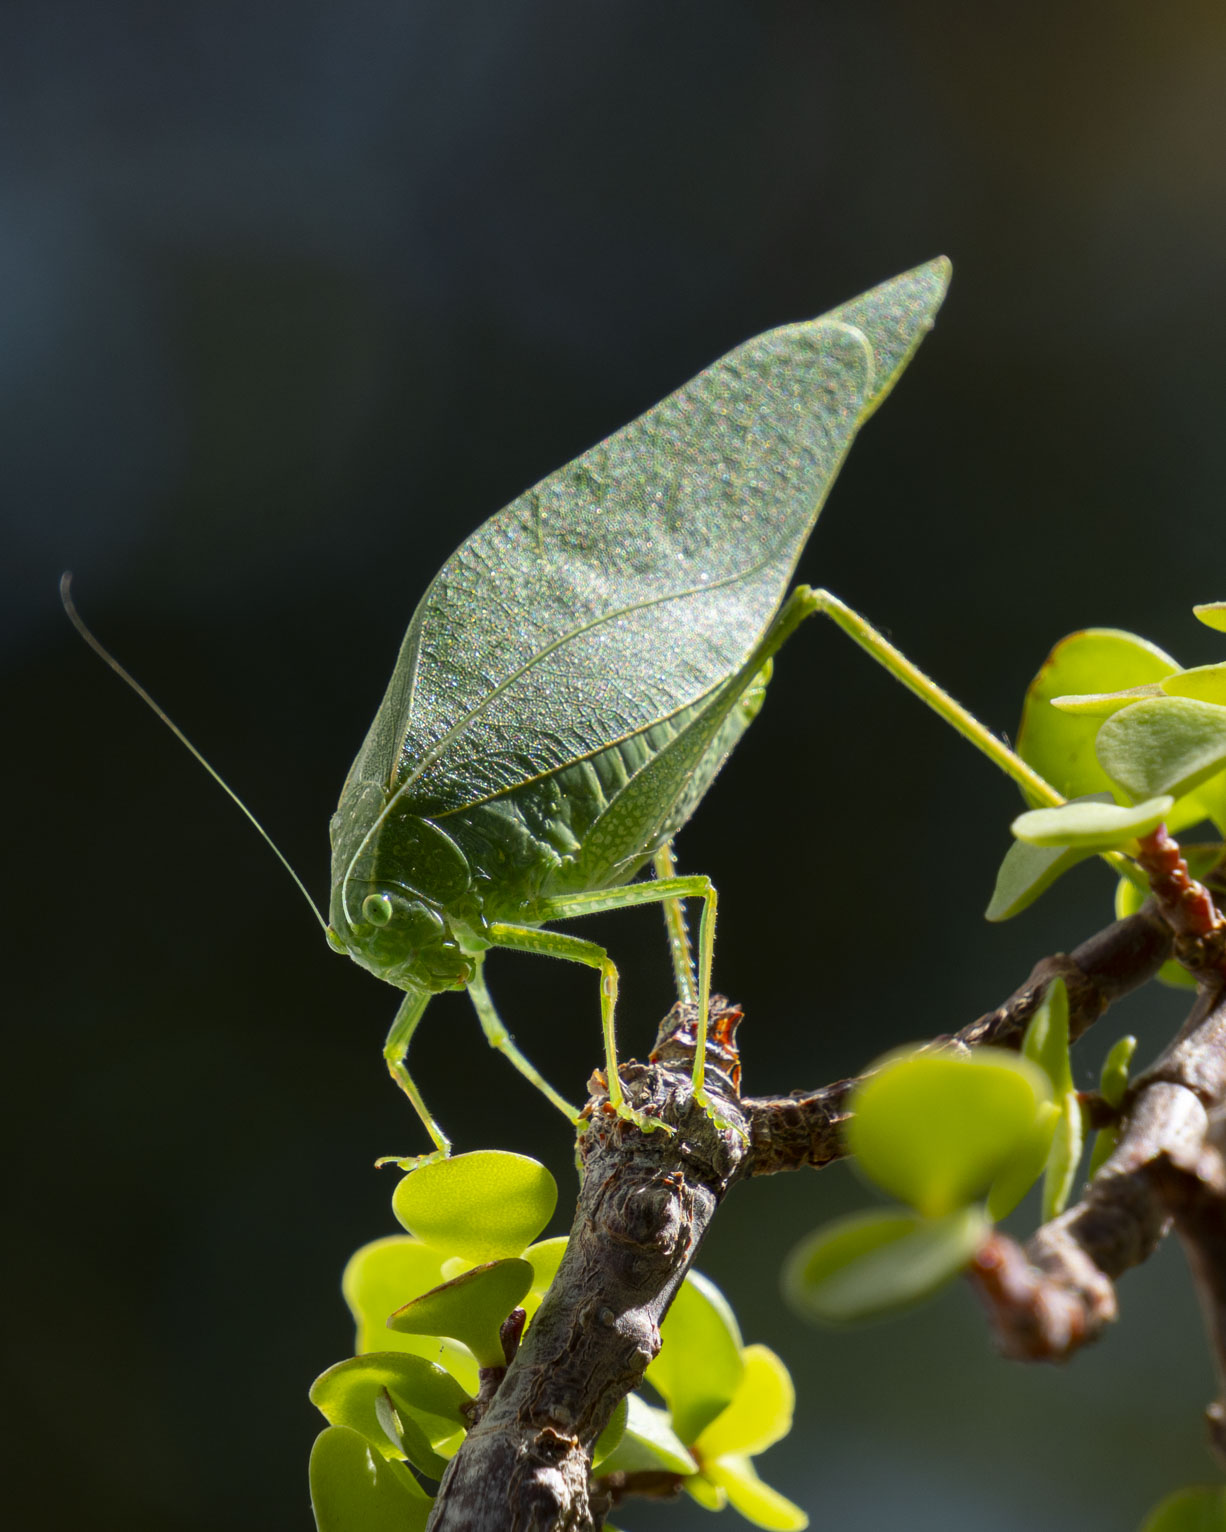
(428, 1314)
(941, 1132)
(1202, 1509)
(354, 1488)
(869, 1265)
(1112, 1086)
(480, 1207)
(1047, 1044)
(469, 1309)
(1133, 740)
(1060, 745)
(935, 1130)
(1090, 824)
(699, 1366)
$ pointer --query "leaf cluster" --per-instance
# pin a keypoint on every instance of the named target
(430, 1306)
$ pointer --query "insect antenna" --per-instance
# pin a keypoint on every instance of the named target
(75, 618)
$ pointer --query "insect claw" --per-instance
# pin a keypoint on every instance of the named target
(722, 1123)
(643, 1121)
(412, 1161)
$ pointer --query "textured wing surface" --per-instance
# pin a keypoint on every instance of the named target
(633, 581)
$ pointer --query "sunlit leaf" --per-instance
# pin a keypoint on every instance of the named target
(1204, 683)
(1020, 1172)
(470, 1308)
(383, 1276)
(544, 1257)
(699, 1364)
(1164, 745)
(935, 1130)
(410, 1441)
(758, 1414)
(757, 1502)
(355, 1489)
(610, 1438)
(1059, 745)
(481, 1206)
(1046, 1043)
(708, 1494)
(346, 1396)
(872, 1264)
(1091, 825)
(1113, 1082)
(1112, 1086)
(1212, 614)
(1025, 873)
(649, 1443)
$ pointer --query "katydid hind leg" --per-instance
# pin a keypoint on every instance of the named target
(395, 1051)
(676, 928)
(573, 949)
(498, 1037)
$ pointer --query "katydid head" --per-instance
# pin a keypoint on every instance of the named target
(399, 935)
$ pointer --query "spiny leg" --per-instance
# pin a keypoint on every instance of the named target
(498, 1037)
(677, 928)
(574, 950)
(659, 891)
(395, 1051)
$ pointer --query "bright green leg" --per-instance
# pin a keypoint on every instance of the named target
(574, 950)
(658, 892)
(498, 1037)
(395, 1051)
(677, 929)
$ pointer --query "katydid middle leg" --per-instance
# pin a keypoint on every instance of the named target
(659, 891)
(498, 1037)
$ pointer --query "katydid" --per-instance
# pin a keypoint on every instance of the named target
(579, 670)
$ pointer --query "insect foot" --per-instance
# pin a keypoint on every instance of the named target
(643, 1121)
(412, 1161)
(711, 1107)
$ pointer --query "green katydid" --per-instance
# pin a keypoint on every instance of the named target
(579, 670)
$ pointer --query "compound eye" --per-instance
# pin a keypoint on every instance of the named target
(377, 909)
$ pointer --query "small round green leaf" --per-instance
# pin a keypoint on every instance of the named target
(1103, 704)
(383, 1276)
(470, 1308)
(1046, 1042)
(355, 1489)
(758, 1414)
(649, 1443)
(1021, 1172)
(1202, 1509)
(610, 1438)
(872, 1264)
(1091, 825)
(1060, 746)
(1205, 683)
(1212, 614)
(699, 1366)
(1113, 1081)
(1026, 872)
(346, 1396)
(934, 1130)
(482, 1206)
(1164, 745)
(756, 1501)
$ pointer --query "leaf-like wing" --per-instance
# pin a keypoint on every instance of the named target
(631, 582)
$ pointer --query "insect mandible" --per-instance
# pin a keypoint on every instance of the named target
(580, 668)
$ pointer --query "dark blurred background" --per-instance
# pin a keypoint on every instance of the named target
(295, 295)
